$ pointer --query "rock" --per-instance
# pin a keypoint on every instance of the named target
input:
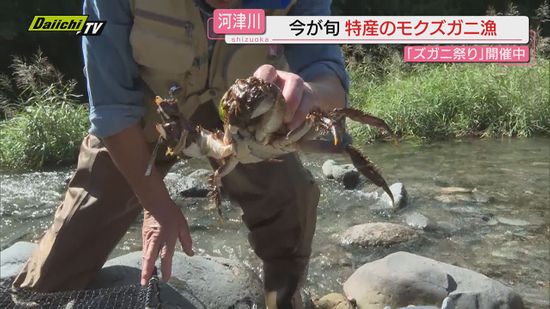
(194, 192)
(458, 194)
(13, 258)
(211, 282)
(200, 174)
(347, 174)
(455, 190)
(195, 184)
(333, 301)
(416, 220)
(399, 197)
(327, 168)
(513, 222)
(403, 278)
(377, 234)
(197, 282)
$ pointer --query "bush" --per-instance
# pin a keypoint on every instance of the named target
(433, 101)
(44, 123)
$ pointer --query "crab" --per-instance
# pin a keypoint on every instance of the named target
(252, 112)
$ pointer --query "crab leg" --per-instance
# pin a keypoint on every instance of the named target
(295, 135)
(216, 182)
(361, 116)
(206, 143)
(368, 169)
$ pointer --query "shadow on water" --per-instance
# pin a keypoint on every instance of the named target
(501, 228)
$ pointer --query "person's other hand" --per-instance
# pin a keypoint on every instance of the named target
(297, 93)
(159, 236)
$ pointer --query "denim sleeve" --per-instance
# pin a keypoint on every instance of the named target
(116, 101)
(313, 60)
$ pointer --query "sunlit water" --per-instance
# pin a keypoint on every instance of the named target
(502, 231)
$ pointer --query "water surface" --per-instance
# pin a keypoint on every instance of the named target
(501, 230)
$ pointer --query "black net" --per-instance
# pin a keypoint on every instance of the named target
(129, 296)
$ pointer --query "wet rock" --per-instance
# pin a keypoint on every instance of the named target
(513, 222)
(416, 220)
(455, 190)
(377, 234)
(347, 174)
(333, 301)
(458, 194)
(195, 184)
(13, 258)
(399, 197)
(197, 282)
(211, 282)
(196, 192)
(403, 278)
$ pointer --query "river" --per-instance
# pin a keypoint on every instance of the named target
(502, 230)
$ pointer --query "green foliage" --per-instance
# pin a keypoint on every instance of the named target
(433, 101)
(44, 123)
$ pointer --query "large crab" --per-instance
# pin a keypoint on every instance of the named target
(252, 112)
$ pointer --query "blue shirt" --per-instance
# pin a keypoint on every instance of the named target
(116, 100)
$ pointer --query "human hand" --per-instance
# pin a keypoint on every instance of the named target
(298, 94)
(159, 235)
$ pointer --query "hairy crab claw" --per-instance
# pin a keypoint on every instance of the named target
(252, 111)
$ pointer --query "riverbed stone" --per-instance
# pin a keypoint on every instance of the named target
(455, 190)
(195, 184)
(512, 221)
(346, 174)
(333, 301)
(403, 278)
(399, 196)
(450, 195)
(417, 220)
(375, 234)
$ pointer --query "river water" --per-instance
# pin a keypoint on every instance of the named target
(502, 230)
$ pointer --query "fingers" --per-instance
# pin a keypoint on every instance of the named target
(185, 238)
(304, 108)
(166, 254)
(266, 72)
(293, 91)
(149, 258)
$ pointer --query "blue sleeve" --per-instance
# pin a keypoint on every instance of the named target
(313, 60)
(116, 101)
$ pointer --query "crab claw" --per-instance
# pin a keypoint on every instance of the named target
(368, 169)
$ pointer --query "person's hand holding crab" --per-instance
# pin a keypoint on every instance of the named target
(324, 94)
(266, 116)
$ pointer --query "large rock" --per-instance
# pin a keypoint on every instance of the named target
(333, 301)
(13, 258)
(402, 278)
(347, 174)
(195, 184)
(377, 234)
(197, 282)
(214, 282)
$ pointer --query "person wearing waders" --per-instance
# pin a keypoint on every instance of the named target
(150, 48)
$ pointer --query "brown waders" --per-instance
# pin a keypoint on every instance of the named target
(278, 199)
